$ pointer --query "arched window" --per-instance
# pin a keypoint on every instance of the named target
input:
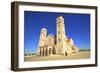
(59, 40)
(58, 32)
(59, 49)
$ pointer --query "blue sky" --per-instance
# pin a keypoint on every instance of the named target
(77, 26)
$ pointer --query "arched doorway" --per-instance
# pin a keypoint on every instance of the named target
(40, 52)
(46, 52)
(49, 50)
(66, 53)
(43, 53)
(53, 51)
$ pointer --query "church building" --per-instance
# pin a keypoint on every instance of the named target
(58, 44)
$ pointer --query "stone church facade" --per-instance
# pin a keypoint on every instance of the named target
(58, 44)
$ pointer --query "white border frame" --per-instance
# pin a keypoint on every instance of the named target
(34, 64)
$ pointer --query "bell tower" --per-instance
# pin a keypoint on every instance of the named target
(61, 37)
(42, 37)
(42, 40)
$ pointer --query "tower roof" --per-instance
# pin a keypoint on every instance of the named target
(60, 17)
(51, 35)
(43, 29)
